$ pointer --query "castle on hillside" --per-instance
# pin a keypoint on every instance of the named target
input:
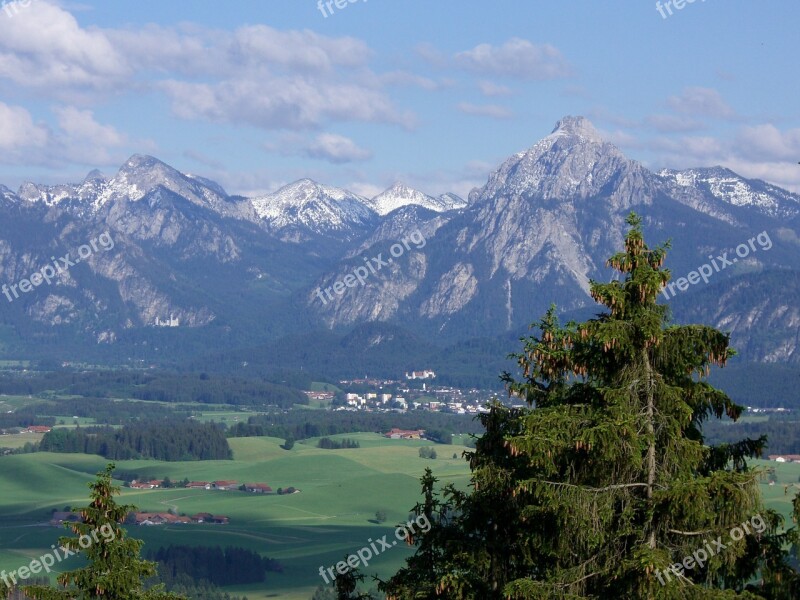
(171, 322)
(421, 375)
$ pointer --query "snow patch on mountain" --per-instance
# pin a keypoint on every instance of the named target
(316, 208)
(400, 195)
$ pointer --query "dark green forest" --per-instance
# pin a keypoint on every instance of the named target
(301, 425)
(162, 387)
(159, 440)
(218, 566)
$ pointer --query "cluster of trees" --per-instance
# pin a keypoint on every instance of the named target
(215, 565)
(440, 436)
(605, 483)
(24, 417)
(108, 411)
(330, 444)
(16, 593)
(783, 434)
(301, 425)
(163, 387)
(427, 452)
(329, 593)
(27, 448)
(159, 440)
(184, 586)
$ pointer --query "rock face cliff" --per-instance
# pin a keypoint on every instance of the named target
(248, 270)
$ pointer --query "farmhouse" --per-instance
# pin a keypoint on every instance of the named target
(143, 518)
(39, 429)
(162, 518)
(146, 485)
(198, 485)
(784, 458)
(405, 434)
(209, 518)
(258, 488)
(60, 517)
(226, 485)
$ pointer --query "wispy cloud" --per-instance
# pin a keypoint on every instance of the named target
(255, 75)
(79, 138)
(337, 149)
(488, 88)
(485, 110)
(701, 101)
(516, 58)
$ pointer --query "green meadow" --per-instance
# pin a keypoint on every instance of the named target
(332, 515)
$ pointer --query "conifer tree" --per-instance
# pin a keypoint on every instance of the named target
(605, 482)
(114, 569)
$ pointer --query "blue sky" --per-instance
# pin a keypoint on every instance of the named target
(259, 93)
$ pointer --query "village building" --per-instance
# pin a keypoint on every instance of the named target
(258, 488)
(405, 434)
(226, 485)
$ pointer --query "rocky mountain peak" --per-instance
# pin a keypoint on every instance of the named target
(578, 127)
(572, 163)
(94, 176)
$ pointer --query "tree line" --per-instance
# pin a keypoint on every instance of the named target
(212, 564)
(301, 425)
(329, 444)
(159, 440)
(162, 387)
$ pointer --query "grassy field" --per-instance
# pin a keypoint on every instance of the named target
(8, 403)
(333, 514)
(20, 439)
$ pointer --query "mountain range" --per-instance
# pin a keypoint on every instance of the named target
(232, 273)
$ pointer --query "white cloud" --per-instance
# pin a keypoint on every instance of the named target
(80, 125)
(255, 75)
(700, 101)
(517, 58)
(337, 149)
(297, 50)
(44, 47)
(282, 103)
(430, 54)
(761, 152)
(485, 110)
(19, 135)
(488, 88)
(673, 123)
(767, 142)
(404, 78)
(368, 190)
(78, 139)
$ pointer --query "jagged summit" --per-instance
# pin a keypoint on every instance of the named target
(306, 207)
(95, 175)
(577, 126)
(399, 195)
(571, 163)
